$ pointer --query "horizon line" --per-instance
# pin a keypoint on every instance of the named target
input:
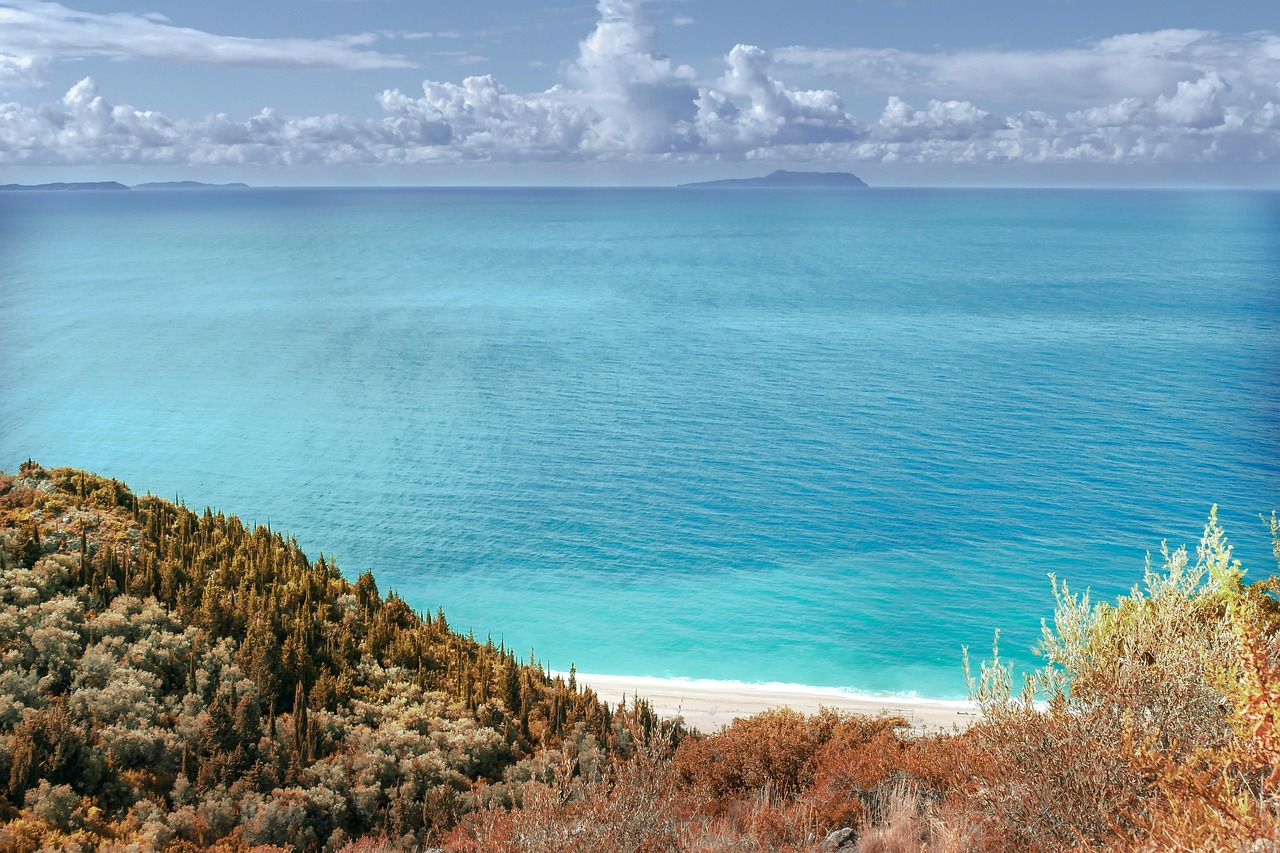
(241, 185)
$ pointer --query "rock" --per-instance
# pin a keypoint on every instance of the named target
(838, 841)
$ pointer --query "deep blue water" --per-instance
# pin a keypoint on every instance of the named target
(807, 437)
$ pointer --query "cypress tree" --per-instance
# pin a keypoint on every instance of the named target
(300, 729)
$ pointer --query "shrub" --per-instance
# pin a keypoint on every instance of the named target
(1139, 719)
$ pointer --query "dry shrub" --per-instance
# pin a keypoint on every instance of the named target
(1154, 661)
(903, 821)
(940, 763)
(369, 845)
(897, 826)
(1144, 744)
(779, 751)
(953, 828)
(774, 749)
(849, 772)
(1045, 780)
(631, 808)
(1225, 798)
(763, 820)
(781, 781)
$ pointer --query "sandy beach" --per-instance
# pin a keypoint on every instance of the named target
(709, 705)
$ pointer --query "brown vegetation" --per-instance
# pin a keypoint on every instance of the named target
(179, 681)
(173, 681)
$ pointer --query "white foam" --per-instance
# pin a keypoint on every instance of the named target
(771, 688)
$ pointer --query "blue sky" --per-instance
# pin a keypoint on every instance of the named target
(621, 91)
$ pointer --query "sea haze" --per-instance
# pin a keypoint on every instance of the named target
(772, 436)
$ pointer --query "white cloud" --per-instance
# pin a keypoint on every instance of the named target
(1193, 105)
(645, 103)
(747, 108)
(1132, 65)
(38, 32)
(82, 127)
(419, 36)
(480, 119)
(21, 71)
(1171, 97)
(939, 121)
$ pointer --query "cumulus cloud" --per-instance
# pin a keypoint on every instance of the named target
(629, 100)
(1174, 96)
(1131, 65)
(940, 120)
(645, 102)
(37, 32)
(481, 119)
(21, 71)
(747, 108)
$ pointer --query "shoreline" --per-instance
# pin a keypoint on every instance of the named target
(708, 705)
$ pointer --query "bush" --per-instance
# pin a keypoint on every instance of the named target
(1143, 711)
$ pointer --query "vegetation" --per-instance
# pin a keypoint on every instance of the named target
(174, 681)
(179, 681)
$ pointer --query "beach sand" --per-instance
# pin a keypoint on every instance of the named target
(709, 705)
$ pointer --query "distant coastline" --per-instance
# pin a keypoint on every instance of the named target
(97, 186)
(116, 186)
(782, 179)
(188, 185)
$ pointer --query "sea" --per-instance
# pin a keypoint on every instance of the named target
(822, 438)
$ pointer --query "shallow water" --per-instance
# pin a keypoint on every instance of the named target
(800, 437)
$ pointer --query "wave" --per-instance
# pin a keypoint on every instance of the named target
(641, 683)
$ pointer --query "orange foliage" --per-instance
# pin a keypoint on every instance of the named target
(778, 750)
(1226, 798)
(848, 771)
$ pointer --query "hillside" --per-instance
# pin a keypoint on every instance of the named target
(179, 681)
(153, 656)
(78, 186)
(782, 179)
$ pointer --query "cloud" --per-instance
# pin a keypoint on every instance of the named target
(944, 121)
(1131, 65)
(419, 36)
(747, 108)
(82, 127)
(645, 103)
(39, 32)
(480, 119)
(21, 71)
(1169, 97)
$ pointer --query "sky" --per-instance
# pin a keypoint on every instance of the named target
(421, 92)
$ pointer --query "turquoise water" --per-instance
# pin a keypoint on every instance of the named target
(804, 437)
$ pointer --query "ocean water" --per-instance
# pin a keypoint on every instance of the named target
(803, 437)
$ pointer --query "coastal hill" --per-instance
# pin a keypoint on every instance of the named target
(182, 681)
(77, 186)
(782, 179)
(109, 186)
(188, 185)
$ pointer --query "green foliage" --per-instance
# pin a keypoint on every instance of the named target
(1155, 656)
(1149, 675)
(155, 656)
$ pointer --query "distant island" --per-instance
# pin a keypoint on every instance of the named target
(782, 179)
(115, 185)
(82, 185)
(188, 185)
